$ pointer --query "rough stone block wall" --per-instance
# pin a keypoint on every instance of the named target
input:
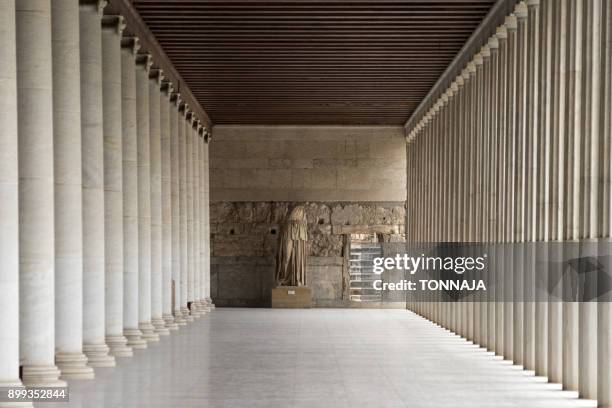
(244, 241)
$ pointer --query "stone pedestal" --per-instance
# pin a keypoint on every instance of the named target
(297, 297)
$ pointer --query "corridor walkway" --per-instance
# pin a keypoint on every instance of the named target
(318, 358)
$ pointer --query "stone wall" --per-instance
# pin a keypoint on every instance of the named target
(244, 240)
(308, 163)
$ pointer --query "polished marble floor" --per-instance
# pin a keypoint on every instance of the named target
(318, 358)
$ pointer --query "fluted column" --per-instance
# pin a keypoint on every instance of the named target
(143, 65)
(573, 224)
(112, 28)
(604, 322)
(9, 202)
(176, 129)
(155, 78)
(166, 124)
(183, 212)
(92, 147)
(592, 202)
(129, 143)
(69, 355)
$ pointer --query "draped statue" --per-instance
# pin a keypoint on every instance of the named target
(291, 259)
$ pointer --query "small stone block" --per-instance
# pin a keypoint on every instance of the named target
(298, 297)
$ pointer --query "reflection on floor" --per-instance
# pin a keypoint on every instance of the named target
(317, 358)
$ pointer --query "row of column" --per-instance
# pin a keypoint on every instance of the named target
(515, 158)
(104, 242)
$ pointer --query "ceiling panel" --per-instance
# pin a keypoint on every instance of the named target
(311, 62)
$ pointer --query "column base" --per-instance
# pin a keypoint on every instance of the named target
(210, 303)
(41, 376)
(134, 339)
(187, 314)
(160, 326)
(148, 332)
(73, 366)
(98, 356)
(179, 319)
(169, 319)
(14, 384)
(118, 346)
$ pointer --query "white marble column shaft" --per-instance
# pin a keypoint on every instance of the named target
(183, 214)
(9, 203)
(143, 65)
(112, 29)
(36, 208)
(69, 355)
(176, 120)
(190, 220)
(166, 197)
(155, 79)
(92, 156)
(129, 48)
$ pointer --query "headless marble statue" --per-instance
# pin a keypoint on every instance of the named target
(291, 259)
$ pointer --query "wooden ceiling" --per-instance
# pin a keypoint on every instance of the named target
(352, 62)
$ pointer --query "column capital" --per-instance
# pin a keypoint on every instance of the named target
(207, 136)
(166, 87)
(455, 86)
(493, 43)
(113, 23)
(175, 97)
(98, 5)
(533, 3)
(511, 22)
(157, 74)
(465, 73)
(485, 51)
(459, 80)
(521, 11)
(131, 42)
(477, 60)
(501, 32)
(144, 59)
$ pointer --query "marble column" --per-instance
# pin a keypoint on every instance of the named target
(176, 129)
(543, 191)
(183, 126)
(203, 220)
(129, 143)
(69, 355)
(196, 221)
(92, 156)
(143, 65)
(112, 28)
(36, 209)
(9, 203)
(501, 34)
(166, 124)
(559, 129)
(190, 218)
(155, 78)
(604, 321)
(189, 212)
(206, 163)
(573, 223)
